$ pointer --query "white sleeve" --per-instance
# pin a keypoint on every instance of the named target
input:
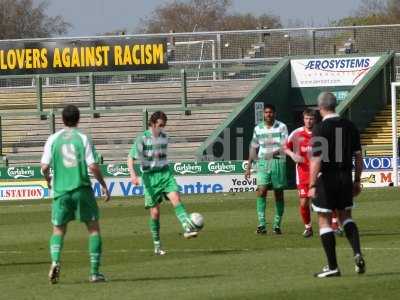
(89, 157)
(284, 134)
(46, 157)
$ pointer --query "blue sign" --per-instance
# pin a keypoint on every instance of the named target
(378, 163)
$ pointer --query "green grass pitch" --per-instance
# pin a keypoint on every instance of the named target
(226, 261)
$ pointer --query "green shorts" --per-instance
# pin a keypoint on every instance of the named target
(78, 204)
(156, 184)
(272, 174)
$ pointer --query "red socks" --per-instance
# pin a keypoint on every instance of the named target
(305, 215)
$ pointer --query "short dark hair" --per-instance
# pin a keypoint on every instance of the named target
(327, 101)
(270, 106)
(158, 115)
(70, 115)
(309, 112)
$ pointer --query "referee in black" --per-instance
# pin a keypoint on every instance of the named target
(335, 142)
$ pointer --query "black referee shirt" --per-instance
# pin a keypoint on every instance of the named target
(336, 140)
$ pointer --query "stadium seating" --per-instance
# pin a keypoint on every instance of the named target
(113, 133)
(377, 138)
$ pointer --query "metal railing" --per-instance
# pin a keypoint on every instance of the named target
(50, 117)
(90, 81)
(227, 69)
(220, 49)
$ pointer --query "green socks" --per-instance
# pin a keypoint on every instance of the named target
(261, 205)
(155, 232)
(95, 253)
(56, 244)
(279, 209)
(182, 215)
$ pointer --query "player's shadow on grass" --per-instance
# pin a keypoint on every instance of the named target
(383, 274)
(165, 278)
(144, 279)
(374, 233)
(223, 252)
(32, 263)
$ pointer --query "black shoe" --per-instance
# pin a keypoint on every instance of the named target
(308, 232)
(277, 230)
(261, 230)
(360, 264)
(326, 272)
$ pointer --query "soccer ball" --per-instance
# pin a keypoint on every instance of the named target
(197, 220)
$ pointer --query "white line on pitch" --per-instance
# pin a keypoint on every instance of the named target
(206, 250)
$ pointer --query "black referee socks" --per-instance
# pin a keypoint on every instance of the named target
(329, 244)
(351, 231)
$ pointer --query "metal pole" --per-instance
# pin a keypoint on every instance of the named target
(52, 122)
(213, 58)
(394, 134)
(219, 53)
(145, 119)
(1, 138)
(184, 89)
(92, 94)
(314, 50)
(39, 93)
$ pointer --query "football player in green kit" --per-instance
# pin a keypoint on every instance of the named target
(70, 154)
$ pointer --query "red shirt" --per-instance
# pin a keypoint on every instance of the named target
(299, 142)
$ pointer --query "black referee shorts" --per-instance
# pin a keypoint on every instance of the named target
(334, 190)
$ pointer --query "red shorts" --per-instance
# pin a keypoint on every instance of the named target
(303, 190)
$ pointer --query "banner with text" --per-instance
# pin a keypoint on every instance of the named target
(187, 185)
(192, 184)
(187, 168)
(94, 55)
(122, 186)
(322, 72)
(24, 190)
(121, 170)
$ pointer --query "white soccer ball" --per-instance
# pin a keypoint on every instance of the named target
(197, 220)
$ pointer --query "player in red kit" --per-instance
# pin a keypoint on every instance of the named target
(299, 148)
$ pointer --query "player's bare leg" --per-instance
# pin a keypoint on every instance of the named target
(182, 215)
(56, 244)
(306, 216)
(261, 206)
(95, 250)
(336, 225)
(155, 230)
(279, 209)
(351, 230)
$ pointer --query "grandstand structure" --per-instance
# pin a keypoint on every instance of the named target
(124, 109)
(377, 138)
(209, 74)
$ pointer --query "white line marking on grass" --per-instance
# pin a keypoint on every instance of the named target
(216, 250)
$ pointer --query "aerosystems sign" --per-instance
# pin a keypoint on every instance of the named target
(323, 72)
(85, 55)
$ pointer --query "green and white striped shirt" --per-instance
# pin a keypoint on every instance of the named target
(150, 151)
(269, 140)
